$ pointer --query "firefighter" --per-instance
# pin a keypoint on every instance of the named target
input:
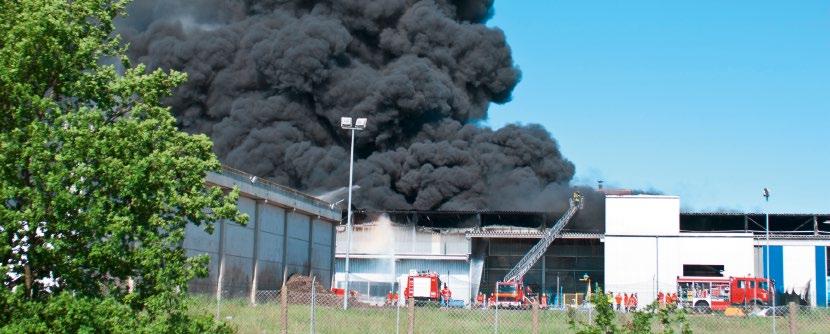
(480, 299)
(543, 301)
(492, 300)
(389, 298)
(661, 298)
(674, 298)
(626, 300)
(618, 299)
(446, 295)
(394, 298)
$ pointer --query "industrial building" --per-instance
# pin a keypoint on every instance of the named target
(641, 244)
(287, 232)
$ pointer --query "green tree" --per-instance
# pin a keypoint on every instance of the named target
(96, 182)
(603, 317)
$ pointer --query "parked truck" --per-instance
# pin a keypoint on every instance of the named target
(510, 294)
(423, 286)
(718, 293)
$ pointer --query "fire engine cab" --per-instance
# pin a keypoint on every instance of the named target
(718, 293)
(422, 286)
(509, 294)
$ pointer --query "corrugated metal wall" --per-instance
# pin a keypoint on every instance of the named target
(455, 273)
(274, 238)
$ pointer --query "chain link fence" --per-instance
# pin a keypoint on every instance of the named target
(313, 310)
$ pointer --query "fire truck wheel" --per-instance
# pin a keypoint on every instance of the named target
(757, 303)
(702, 307)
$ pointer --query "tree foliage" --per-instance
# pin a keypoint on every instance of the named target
(96, 182)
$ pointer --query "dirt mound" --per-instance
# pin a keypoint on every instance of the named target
(299, 292)
(302, 283)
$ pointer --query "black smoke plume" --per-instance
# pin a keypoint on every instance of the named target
(269, 81)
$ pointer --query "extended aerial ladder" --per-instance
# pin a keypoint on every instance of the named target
(509, 291)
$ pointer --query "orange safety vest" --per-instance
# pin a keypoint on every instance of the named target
(446, 293)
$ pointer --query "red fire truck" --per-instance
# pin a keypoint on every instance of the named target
(718, 293)
(423, 286)
(510, 294)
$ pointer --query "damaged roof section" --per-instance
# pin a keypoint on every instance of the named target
(469, 221)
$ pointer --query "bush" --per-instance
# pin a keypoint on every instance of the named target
(65, 313)
(670, 318)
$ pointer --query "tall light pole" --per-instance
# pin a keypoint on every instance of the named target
(359, 124)
(769, 254)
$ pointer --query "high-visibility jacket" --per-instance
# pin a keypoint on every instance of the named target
(544, 301)
(446, 294)
(480, 298)
(618, 299)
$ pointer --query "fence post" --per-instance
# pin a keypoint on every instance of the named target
(397, 317)
(793, 312)
(284, 305)
(496, 315)
(535, 305)
(311, 317)
(410, 306)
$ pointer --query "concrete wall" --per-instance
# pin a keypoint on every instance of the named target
(250, 258)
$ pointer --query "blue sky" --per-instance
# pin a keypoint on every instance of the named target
(708, 100)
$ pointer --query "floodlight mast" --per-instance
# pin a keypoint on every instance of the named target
(346, 124)
(766, 194)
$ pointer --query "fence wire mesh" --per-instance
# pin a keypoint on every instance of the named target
(319, 311)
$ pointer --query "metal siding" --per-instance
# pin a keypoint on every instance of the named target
(776, 266)
(821, 276)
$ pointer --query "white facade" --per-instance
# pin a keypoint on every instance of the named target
(383, 253)
(645, 251)
(642, 215)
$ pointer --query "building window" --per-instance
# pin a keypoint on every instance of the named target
(706, 270)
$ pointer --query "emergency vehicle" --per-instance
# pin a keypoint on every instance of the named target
(423, 286)
(510, 294)
(718, 293)
(510, 291)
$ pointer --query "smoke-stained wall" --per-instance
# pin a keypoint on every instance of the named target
(269, 81)
(285, 233)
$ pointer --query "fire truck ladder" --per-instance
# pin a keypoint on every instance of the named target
(539, 249)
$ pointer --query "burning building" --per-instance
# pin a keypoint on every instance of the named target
(269, 81)
(641, 244)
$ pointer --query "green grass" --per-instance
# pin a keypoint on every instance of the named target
(265, 318)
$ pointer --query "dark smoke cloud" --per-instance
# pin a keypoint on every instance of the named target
(269, 81)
